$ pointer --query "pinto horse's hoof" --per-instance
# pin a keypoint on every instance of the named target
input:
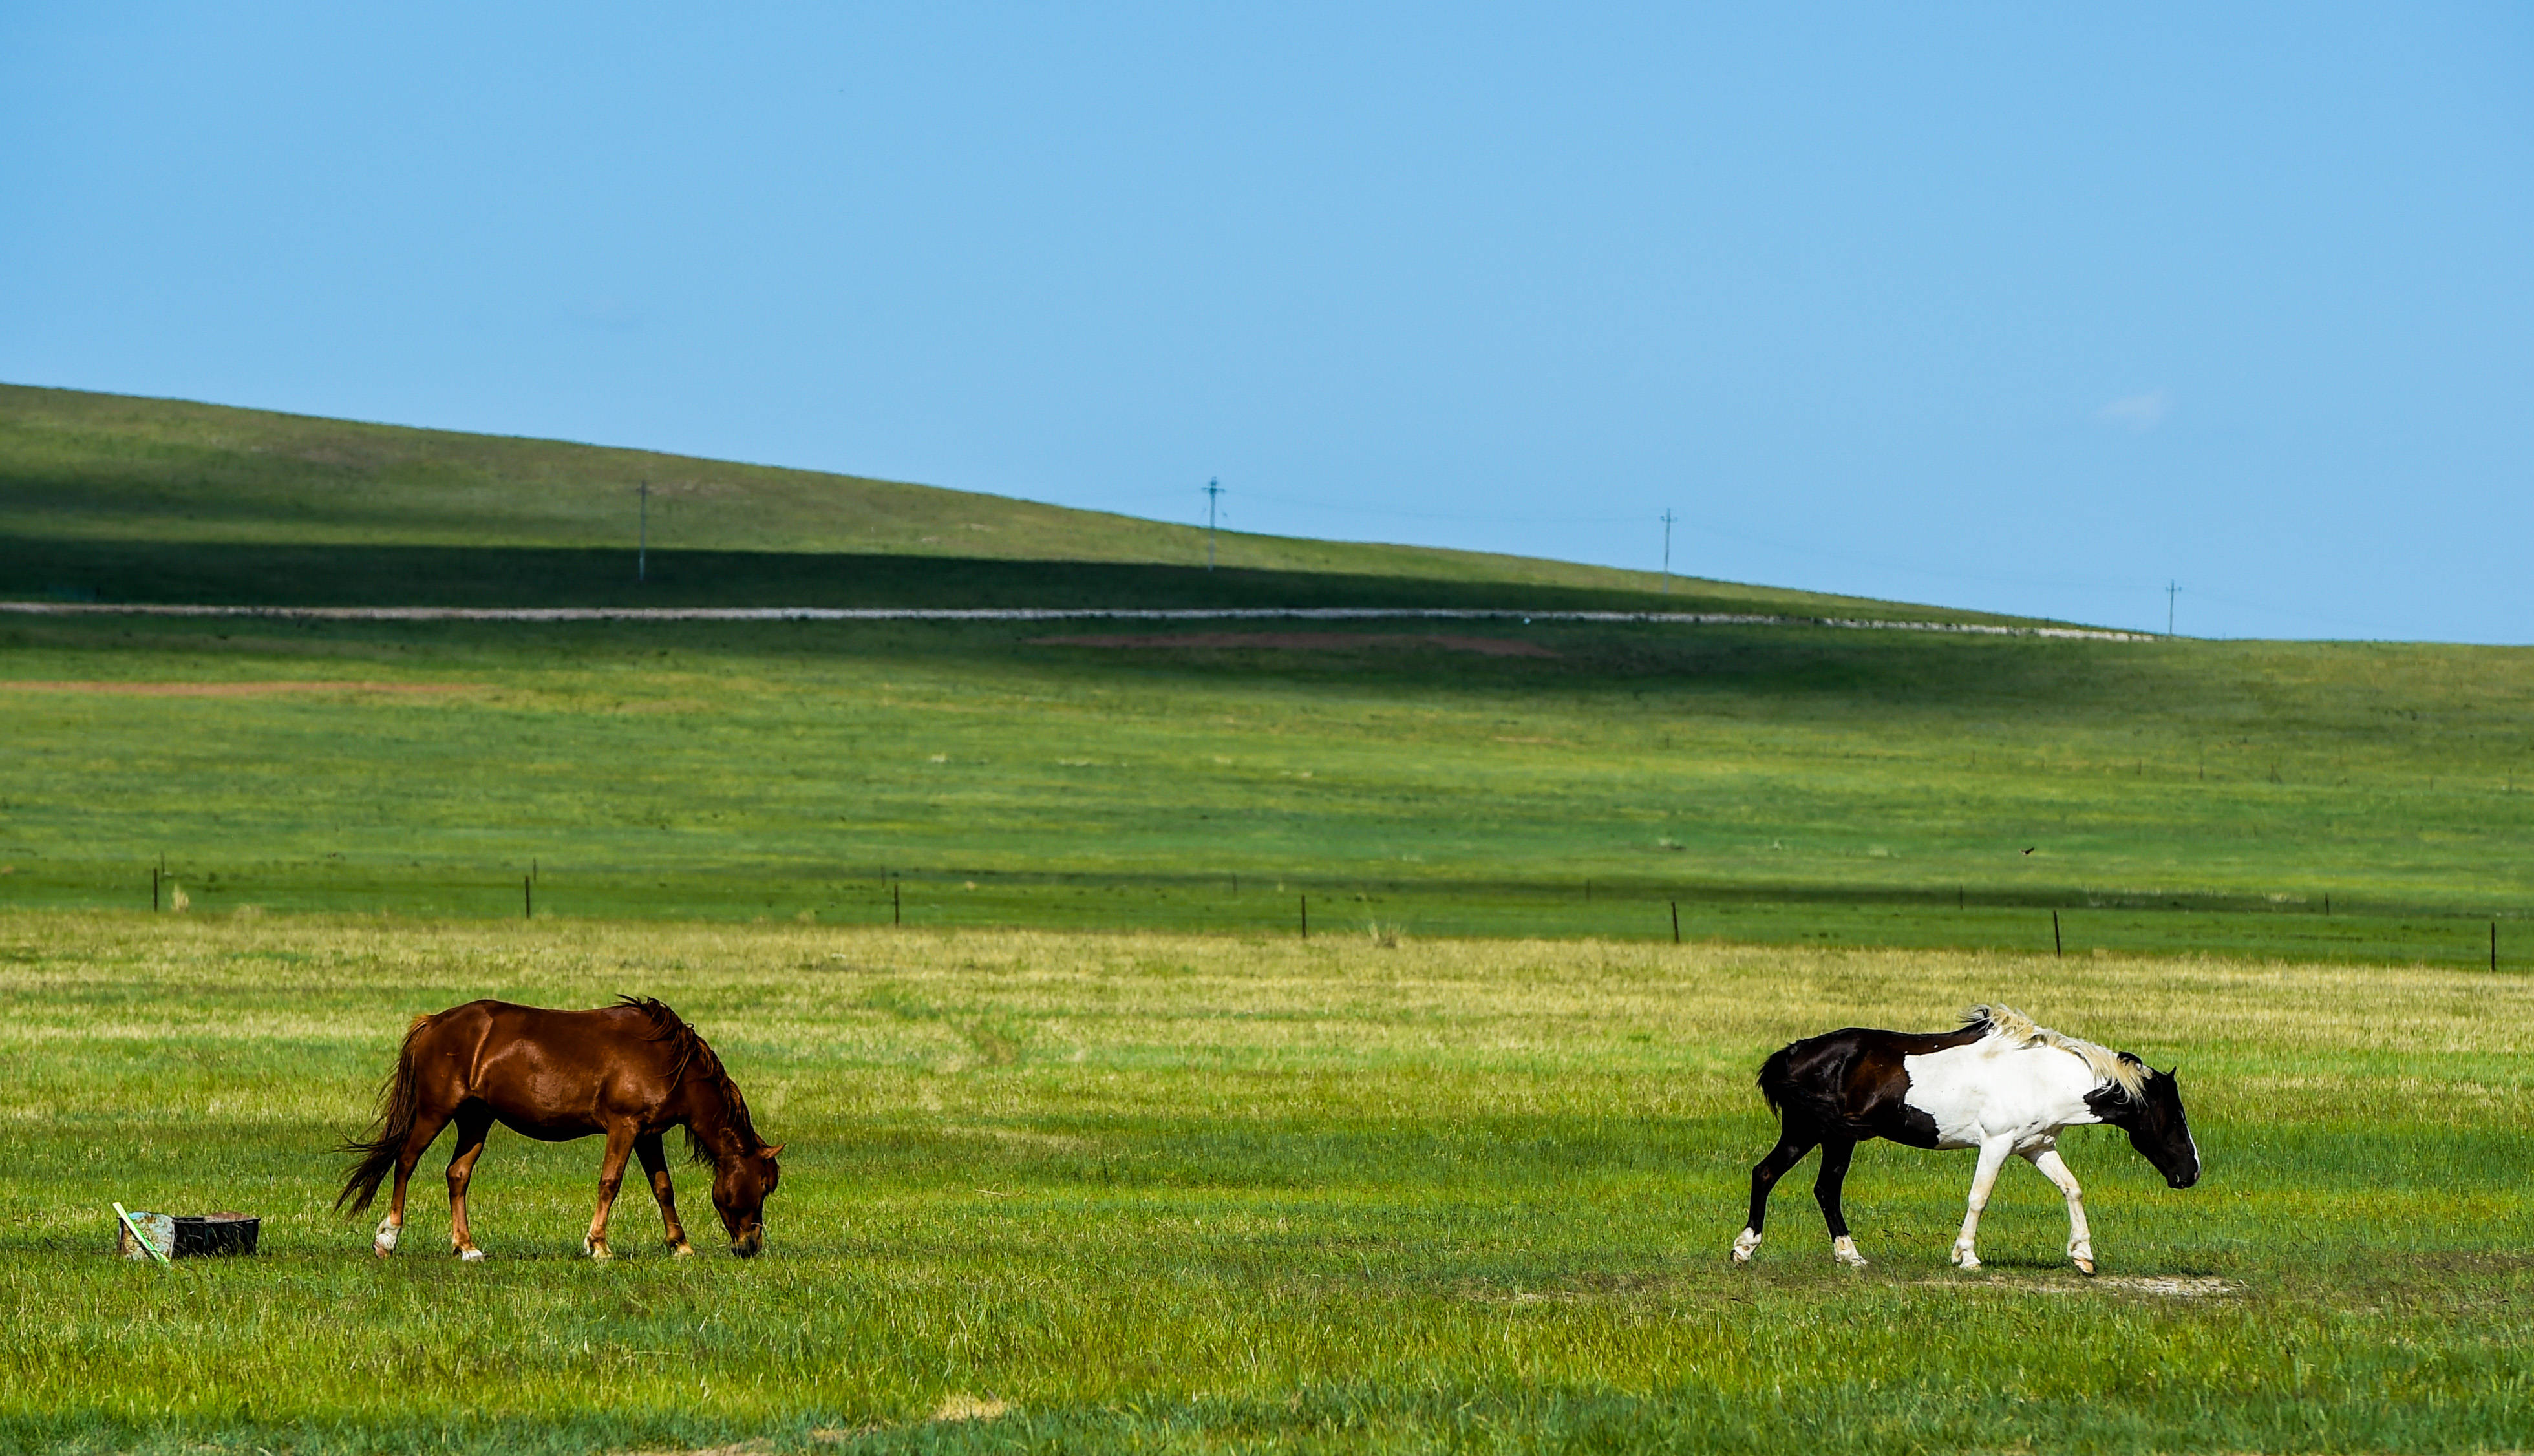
(1966, 1258)
(1843, 1249)
(471, 1256)
(2085, 1266)
(383, 1242)
(1743, 1242)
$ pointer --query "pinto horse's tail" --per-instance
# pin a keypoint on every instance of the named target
(399, 1105)
(1777, 1077)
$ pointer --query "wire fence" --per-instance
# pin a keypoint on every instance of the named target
(2329, 925)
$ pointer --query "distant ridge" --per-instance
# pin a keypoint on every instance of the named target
(1042, 614)
(115, 499)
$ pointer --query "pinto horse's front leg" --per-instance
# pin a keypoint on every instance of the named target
(2081, 1239)
(611, 1176)
(1992, 1157)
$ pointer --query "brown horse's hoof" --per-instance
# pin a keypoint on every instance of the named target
(683, 1249)
(597, 1248)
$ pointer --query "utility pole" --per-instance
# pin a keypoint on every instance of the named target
(642, 542)
(1213, 489)
(2171, 589)
(1667, 519)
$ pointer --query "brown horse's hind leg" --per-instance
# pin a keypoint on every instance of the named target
(655, 1164)
(427, 1122)
(611, 1176)
(474, 1124)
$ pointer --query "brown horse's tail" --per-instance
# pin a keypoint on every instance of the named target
(399, 1105)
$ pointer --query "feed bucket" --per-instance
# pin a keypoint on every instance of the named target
(186, 1234)
(216, 1233)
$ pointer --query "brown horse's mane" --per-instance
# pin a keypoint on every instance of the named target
(694, 1052)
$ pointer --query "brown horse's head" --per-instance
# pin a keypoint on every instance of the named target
(741, 1183)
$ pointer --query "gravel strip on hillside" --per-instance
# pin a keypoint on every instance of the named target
(1039, 614)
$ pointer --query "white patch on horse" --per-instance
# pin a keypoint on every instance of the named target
(2000, 1085)
(2011, 1094)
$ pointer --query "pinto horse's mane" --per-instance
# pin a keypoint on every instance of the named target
(2110, 1068)
(692, 1051)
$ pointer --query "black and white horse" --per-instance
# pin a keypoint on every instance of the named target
(2000, 1084)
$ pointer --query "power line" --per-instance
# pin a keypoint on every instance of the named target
(1354, 508)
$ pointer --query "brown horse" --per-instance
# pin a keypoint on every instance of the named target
(630, 1070)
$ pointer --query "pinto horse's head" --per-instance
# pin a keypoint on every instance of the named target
(2152, 1117)
(741, 1183)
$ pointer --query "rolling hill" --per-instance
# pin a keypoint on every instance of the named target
(110, 497)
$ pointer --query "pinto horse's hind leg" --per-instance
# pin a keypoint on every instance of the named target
(2081, 1239)
(1835, 1152)
(655, 1165)
(1793, 1144)
(474, 1124)
(611, 1177)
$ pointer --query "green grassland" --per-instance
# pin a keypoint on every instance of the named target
(1779, 784)
(1166, 1192)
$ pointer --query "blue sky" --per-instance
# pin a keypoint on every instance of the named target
(2031, 309)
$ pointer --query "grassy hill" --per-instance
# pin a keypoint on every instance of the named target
(116, 498)
(1780, 784)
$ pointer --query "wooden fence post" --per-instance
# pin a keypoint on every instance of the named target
(1306, 917)
(1676, 922)
(2058, 947)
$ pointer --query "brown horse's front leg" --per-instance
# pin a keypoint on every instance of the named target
(611, 1176)
(655, 1163)
(473, 1126)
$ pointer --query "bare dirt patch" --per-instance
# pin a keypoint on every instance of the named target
(2180, 1287)
(1496, 647)
(233, 689)
(2173, 1287)
(964, 1407)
